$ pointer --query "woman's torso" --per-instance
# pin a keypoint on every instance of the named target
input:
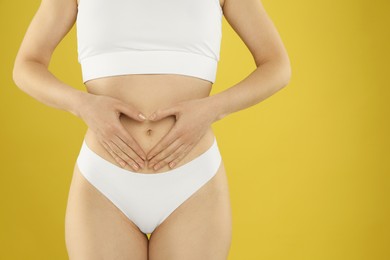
(147, 93)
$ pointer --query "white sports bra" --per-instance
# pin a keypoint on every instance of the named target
(118, 37)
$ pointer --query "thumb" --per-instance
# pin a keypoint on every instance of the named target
(161, 113)
(131, 112)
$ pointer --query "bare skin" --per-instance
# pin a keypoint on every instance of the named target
(201, 227)
(207, 211)
(92, 220)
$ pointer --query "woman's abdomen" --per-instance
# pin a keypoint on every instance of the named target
(147, 93)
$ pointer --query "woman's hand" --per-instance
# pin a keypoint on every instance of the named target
(101, 114)
(193, 118)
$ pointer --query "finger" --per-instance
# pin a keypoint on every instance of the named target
(130, 111)
(119, 160)
(121, 155)
(186, 150)
(170, 160)
(161, 113)
(163, 143)
(131, 146)
(132, 143)
(165, 153)
(131, 156)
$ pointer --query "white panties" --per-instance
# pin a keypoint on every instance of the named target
(147, 199)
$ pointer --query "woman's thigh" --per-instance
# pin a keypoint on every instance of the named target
(96, 229)
(200, 228)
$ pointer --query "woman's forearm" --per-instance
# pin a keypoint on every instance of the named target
(37, 81)
(263, 82)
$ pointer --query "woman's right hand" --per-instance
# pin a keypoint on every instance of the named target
(101, 114)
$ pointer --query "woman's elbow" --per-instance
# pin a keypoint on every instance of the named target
(16, 76)
(285, 67)
(287, 73)
(19, 73)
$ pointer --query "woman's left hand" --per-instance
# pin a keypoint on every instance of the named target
(193, 118)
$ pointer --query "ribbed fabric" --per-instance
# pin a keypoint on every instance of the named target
(122, 37)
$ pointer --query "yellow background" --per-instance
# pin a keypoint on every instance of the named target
(308, 168)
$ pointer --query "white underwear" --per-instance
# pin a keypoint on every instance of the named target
(147, 199)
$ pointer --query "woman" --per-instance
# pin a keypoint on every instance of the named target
(149, 162)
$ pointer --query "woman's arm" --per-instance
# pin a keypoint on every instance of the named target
(249, 19)
(251, 22)
(33, 76)
(50, 24)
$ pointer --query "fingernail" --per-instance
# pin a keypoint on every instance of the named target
(172, 164)
(155, 167)
(135, 166)
(152, 116)
(141, 116)
(122, 164)
(141, 165)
